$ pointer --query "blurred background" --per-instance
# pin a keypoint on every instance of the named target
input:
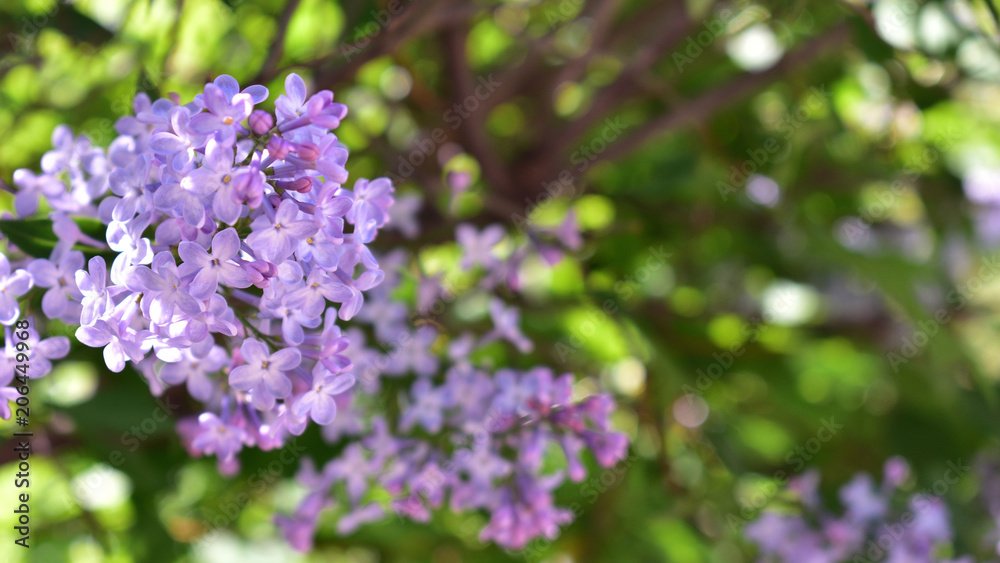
(790, 258)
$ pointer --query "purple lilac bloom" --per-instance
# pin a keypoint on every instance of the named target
(242, 269)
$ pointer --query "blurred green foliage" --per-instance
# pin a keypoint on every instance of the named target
(770, 258)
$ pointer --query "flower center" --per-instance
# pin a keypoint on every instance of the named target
(226, 179)
(227, 120)
(264, 364)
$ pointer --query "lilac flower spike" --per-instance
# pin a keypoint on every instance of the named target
(243, 270)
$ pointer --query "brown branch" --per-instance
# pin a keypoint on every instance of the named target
(701, 108)
(472, 131)
(267, 72)
(411, 22)
(677, 25)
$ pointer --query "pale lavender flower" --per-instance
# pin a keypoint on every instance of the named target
(208, 270)
(263, 367)
(477, 248)
(224, 114)
(318, 403)
(274, 240)
(506, 326)
(58, 274)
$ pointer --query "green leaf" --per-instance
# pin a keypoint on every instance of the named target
(35, 237)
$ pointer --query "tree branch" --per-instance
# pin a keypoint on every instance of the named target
(472, 131)
(699, 109)
(278, 45)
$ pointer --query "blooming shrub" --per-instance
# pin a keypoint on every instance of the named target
(230, 257)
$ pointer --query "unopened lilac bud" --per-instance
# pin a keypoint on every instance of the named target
(308, 152)
(260, 272)
(278, 148)
(261, 121)
(302, 185)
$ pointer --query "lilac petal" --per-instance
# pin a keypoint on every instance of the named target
(45, 273)
(167, 143)
(337, 384)
(19, 283)
(245, 377)
(229, 86)
(324, 409)
(257, 93)
(114, 356)
(254, 351)
(300, 229)
(241, 108)
(233, 276)
(54, 302)
(286, 359)
(277, 384)
(292, 331)
(26, 203)
(193, 254)
(226, 244)
(295, 88)
(199, 386)
(216, 101)
(205, 123)
(226, 209)
(304, 404)
(53, 348)
(205, 283)
(9, 311)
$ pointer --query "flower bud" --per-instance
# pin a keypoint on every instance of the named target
(278, 147)
(308, 152)
(261, 122)
(301, 185)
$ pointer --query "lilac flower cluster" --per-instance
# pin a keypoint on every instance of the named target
(237, 256)
(232, 234)
(868, 530)
(491, 429)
